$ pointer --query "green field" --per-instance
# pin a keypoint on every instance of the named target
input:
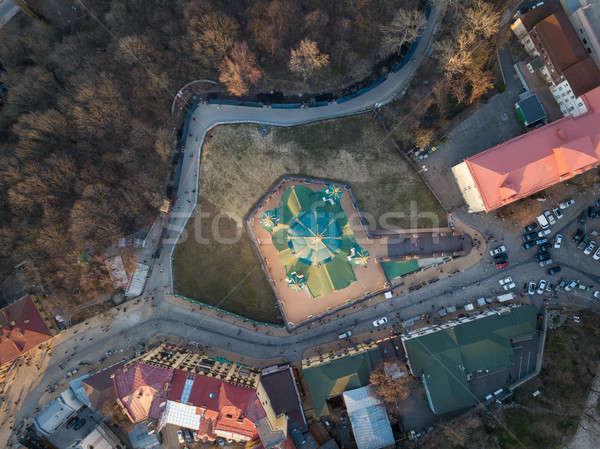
(239, 166)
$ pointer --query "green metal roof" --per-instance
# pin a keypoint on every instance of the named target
(333, 378)
(445, 357)
(315, 237)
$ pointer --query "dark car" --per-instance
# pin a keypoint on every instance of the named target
(529, 244)
(543, 256)
(578, 235)
(591, 212)
(500, 258)
(532, 227)
(79, 424)
(584, 242)
(544, 247)
(530, 236)
(582, 218)
(541, 241)
(554, 270)
(562, 284)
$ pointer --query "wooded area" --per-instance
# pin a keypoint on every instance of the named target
(85, 136)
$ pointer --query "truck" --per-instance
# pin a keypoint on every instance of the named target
(506, 297)
(543, 221)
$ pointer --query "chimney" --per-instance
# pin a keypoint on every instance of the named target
(13, 323)
(26, 321)
(561, 134)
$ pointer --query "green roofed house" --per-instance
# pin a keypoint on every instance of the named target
(446, 358)
(529, 109)
(330, 378)
(314, 240)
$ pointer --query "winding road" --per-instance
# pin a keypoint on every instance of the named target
(154, 314)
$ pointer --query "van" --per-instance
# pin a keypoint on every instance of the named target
(345, 335)
(543, 222)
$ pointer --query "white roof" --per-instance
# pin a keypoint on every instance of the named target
(57, 412)
(138, 280)
(182, 415)
(370, 422)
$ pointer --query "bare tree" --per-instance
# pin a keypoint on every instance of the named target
(391, 386)
(307, 58)
(482, 18)
(213, 35)
(239, 69)
(404, 28)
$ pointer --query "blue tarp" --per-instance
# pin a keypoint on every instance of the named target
(317, 104)
(253, 104)
(361, 91)
(186, 125)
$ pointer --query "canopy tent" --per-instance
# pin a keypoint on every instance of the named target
(332, 194)
(296, 281)
(358, 256)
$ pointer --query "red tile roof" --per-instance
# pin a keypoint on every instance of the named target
(534, 161)
(560, 41)
(142, 389)
(583, 76)
(22, 329)
(229, 408)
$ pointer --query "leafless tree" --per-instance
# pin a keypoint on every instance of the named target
(239, 69)
(307, 58)
(404, 28)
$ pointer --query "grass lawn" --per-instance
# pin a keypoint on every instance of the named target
(239, 166)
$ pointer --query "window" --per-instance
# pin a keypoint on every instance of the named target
(584, 41)
(589, 50)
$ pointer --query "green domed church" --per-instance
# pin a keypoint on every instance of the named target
(315, 241)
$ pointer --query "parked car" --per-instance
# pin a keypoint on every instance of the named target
(561, 284)
(590, 248)
(591, 212)
(544, 247)
(556, 211)
(583, 287)
(188, 436)
(529, 244)
(597, 294)
(541, 241)
(180, 436)
(501, 258)
(566, 204)
(506, 280)
(509, 286)
(497, 251)
(531, 289)
(571, 285)
(541, 287)
(542, 256)
(501, 265)
(596, 255)
(553, 270)
(550, 217)
(532, 227)
(544, 263)
(345, 335)
(584, 242)
(530, 236)
(578, 235)
(558, 238)
(582, 217)
(544, 232)
(380, 322)
(195, 436)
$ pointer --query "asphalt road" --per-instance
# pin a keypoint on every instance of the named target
(7, 10)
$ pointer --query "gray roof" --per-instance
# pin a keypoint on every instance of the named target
(57, 412)
(531, 109)
(369, 419)
(140, 439)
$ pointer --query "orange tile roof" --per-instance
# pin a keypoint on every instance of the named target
(560, 41)
(542, 157)
(22, 328)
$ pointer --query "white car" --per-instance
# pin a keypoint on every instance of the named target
(596, 255)
(558, 241)
(543, 263)
(544, 232)
(499, 250)
(590, 248)
(531, 288)
(509, 286)
(180, 436)
(345, 335)
(571, 285)
(506, 280)
(541, 287)
(597, 294)
(550, 217)
(380, 322)
(566, 204)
